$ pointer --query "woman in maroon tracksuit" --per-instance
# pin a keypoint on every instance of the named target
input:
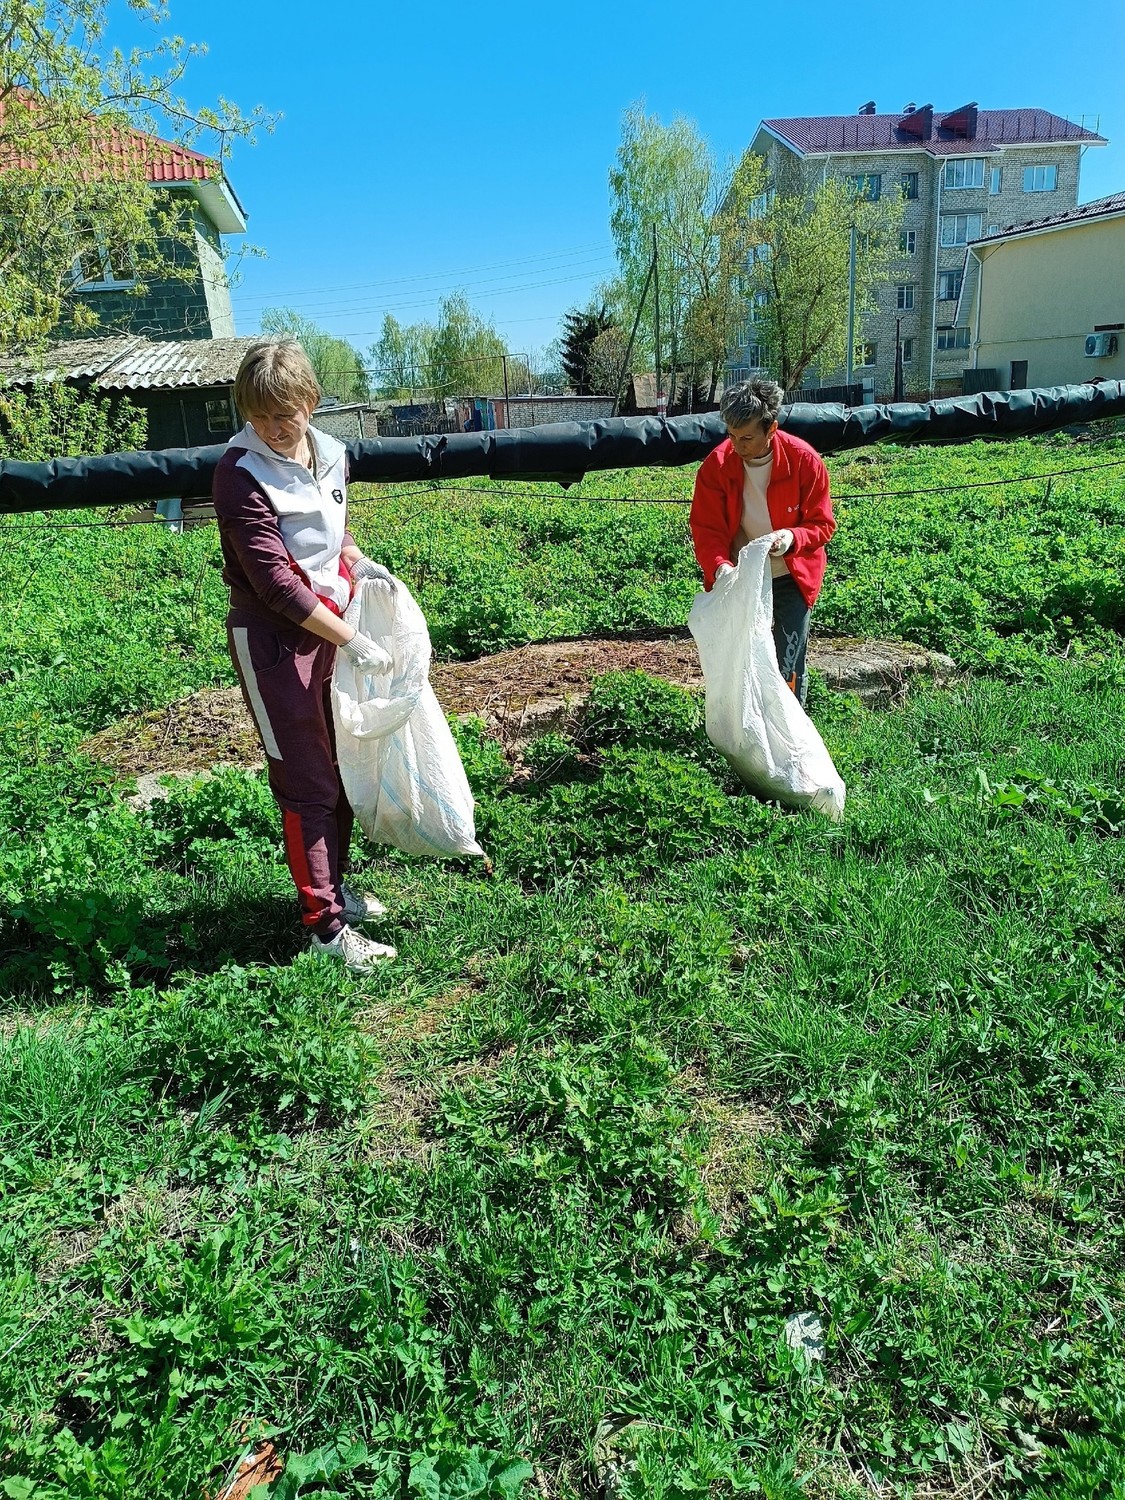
(289, 562)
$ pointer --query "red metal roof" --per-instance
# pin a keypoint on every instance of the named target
(1097, 208)
(940, 132)
(123, 150)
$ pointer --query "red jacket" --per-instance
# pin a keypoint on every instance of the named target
(798, 501)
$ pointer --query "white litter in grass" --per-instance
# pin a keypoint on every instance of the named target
(806, 1332)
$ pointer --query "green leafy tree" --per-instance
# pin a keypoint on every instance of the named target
(580, 327)
(607, 354)
(467, 354)
(400, 360)
(339, 365)
(798, 271)
(666, 176)
(73, 168)
(54, 420)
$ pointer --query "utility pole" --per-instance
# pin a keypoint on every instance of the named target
(632, 337)
(507, 404)
(661, 405)
(851, 307)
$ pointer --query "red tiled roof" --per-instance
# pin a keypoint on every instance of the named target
(163, 161)
(1097, 208)
(940, 132)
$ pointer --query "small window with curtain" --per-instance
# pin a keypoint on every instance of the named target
(907, 241)
(965, 172)
(910, 184)
(905, 295)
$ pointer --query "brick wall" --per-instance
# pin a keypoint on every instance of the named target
(923, 268)
(172, 307)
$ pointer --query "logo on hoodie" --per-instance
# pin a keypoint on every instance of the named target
(338, 496)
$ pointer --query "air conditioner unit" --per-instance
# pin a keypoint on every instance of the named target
(1100, 344)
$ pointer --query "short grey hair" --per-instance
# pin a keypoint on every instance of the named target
(751, 401)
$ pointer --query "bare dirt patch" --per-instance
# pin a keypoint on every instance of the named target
(518, 693)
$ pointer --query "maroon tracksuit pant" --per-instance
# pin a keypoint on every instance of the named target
(286, 678)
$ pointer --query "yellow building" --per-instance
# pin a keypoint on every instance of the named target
(1044, 302)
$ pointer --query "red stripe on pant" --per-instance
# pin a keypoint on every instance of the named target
(286, 680)
(312, 906)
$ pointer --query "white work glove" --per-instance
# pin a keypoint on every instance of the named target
(780, 543)
(363, 567)
(364, 654)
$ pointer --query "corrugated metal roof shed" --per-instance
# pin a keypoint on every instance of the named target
(130, 363)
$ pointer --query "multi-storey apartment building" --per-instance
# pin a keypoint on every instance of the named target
(963, 173)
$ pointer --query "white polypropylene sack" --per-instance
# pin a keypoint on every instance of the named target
(752, 715)
(397, 755)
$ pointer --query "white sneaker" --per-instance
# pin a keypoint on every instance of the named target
(360, 954)
(359, 907)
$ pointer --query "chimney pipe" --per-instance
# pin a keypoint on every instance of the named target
(868, 108)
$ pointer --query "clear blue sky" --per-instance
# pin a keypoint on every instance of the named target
(433, 147)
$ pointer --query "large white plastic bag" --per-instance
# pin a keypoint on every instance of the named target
(752, 715)
(398, 758)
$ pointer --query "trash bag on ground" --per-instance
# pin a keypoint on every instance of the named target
(752, 716)
(397, 755)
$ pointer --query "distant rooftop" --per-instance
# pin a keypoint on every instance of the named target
(125, 362)
(956, 132)
(1097, 208)
(162, 161)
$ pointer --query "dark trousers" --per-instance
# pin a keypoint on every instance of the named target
(286, 678)
(791, 619)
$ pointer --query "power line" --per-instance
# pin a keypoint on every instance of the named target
(426, 302)
(582, 251)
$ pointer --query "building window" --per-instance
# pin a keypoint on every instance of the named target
(866, 353)
(907, 351)
(759, 299)
(967, 172)
(959, 229)
(99, 265)
(910, 184)
(995, 180)
(754, 356)
(758, 205)
(867, 185)
(953, 338)
(994, 229)
(905, 294)
(949, 285)
(736, 376)
(218, 416)
(907, 241)
(1040, 179)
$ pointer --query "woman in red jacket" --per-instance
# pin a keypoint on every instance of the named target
(764, 482)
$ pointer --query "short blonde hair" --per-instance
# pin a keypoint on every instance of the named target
(275, 372)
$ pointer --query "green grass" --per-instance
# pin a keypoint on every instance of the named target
(683, 1066)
